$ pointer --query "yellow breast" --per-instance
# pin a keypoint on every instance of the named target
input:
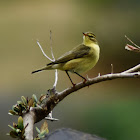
(84, 64)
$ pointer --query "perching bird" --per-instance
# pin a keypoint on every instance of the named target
(80, 59)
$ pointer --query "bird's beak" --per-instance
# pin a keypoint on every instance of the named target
(84, 34)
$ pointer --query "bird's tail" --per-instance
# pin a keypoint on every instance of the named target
(45, 68)
(36, 71)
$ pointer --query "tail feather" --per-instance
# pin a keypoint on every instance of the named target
(45, 68)
(36, 71)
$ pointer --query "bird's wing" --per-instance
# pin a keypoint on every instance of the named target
(75, 53)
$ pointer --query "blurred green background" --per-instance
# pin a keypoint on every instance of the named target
(109, 109)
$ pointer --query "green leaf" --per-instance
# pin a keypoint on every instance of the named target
(11, 112)
(34, 104)
(38, 131)
(14, 129)
(43, 130)
(20, 123)
(43, 133)
(16, 109)
(19, 102)
(34, 98)
(24, 100)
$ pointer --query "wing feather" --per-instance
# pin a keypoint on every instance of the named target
(75, 53)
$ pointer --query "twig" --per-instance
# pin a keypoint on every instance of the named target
(51, 45)
(132, 42)
(44, 52)
(136, 68)
(56, 78)
(112, 69)
(50, 117)
(56, 72)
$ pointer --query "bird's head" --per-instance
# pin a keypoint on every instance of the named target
(89, 38)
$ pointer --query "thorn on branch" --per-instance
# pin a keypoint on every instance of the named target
(112, 69)
(87, 77)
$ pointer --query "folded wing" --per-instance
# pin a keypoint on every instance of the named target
(78, 52)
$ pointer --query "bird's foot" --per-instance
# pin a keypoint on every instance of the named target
(84, 81)
(73, 85)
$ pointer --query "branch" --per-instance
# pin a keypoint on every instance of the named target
(64, 93)
(29, 119)
(136, 68)
(59, 96)
(44, 52)
(36, 114)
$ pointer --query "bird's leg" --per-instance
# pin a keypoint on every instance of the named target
(81, 77)
(70, 79)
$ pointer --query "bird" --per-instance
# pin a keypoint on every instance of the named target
(79, 60)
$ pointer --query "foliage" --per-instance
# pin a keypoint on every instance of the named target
(43, 131)
(25, 104)
(21, 108)
(18, 129)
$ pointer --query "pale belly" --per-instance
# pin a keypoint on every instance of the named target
(80, 65)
